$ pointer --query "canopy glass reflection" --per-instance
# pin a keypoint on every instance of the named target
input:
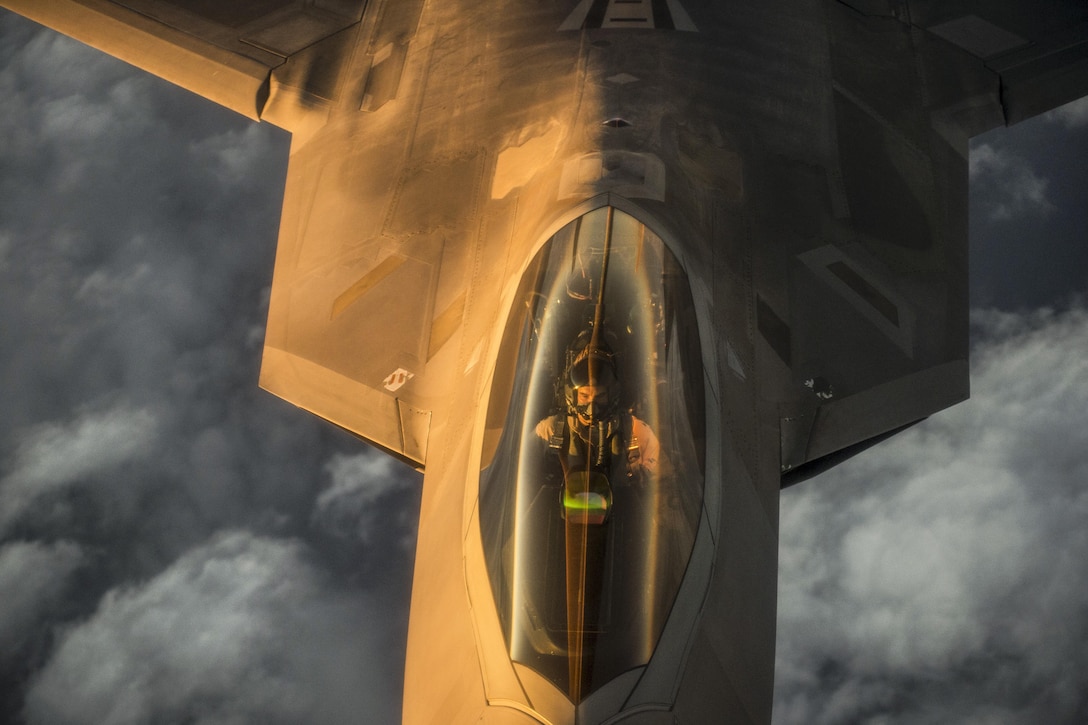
(592, 470)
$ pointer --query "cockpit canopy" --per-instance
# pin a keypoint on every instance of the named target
(593, 462)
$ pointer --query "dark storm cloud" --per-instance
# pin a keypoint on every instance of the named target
(34, 578)
(141, 203)
(241, 629)
(942, 578)
(52, 457)
(1028, 218)
(1018, 190)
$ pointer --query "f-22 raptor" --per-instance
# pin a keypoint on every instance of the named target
(611, 273)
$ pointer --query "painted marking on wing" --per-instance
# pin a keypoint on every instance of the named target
(365, 283)
(443, 326)
(395, 380)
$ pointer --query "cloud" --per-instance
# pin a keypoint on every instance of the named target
(242, 629)
(232, 156)
(1008, 185)
(55, 456)
(34, 580)
(1071, 115)
(135, 257)
(941, 576)
(349, 507)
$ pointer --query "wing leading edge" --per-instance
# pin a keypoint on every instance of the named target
(226, 52)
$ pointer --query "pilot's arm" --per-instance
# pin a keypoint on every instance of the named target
(649, 449)
(547, 428)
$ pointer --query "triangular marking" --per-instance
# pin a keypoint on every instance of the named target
(577, 17)
(680, 18)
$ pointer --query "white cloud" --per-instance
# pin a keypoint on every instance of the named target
(348, 508)
(57, 64)
(234, 154)
(103, 288)
(948, 563)
(241, 630)
(1071, 115)
(985, 158)
(34, 577)
(77, 118)
(1013, 186)
(54, 456)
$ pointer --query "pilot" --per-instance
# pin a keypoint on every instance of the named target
(594, 429)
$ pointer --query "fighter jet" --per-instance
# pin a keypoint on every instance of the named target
(611, 273)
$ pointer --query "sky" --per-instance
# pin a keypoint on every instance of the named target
(177, 545)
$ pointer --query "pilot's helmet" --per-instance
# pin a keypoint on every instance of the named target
(591, 370)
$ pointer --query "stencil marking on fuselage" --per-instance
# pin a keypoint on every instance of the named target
(611, 14)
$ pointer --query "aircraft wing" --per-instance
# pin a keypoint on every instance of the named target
(369, 289)
(876, 323)
(1038, 50)
(237, 54)
(295, 63)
